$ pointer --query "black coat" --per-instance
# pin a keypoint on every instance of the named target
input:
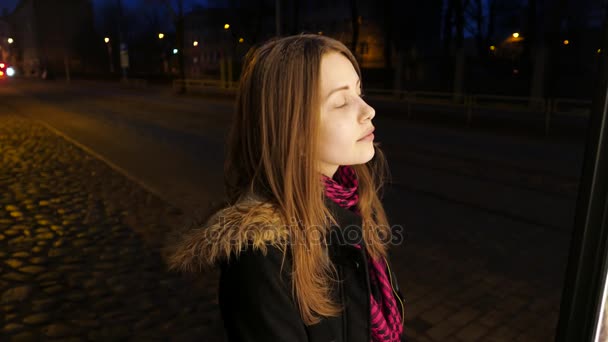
(256, 302)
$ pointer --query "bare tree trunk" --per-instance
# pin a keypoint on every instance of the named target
(180, 39)
(460, 55)
(545, 53)
(480, 37)
(491, 21)
(388, 34)
(355, 22)
(447, 27)
(277, 10)
(296, 17)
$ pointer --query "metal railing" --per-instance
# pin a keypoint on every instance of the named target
(470, 104)
(473, 103)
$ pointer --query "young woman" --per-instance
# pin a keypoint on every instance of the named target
(302, 243)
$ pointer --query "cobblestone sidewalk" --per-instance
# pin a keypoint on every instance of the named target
(79, 253)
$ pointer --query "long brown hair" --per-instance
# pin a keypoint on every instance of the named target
(272, 152)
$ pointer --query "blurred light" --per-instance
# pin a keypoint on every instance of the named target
(2, 65)
(1, 73)
(161, 35)
(10, 40)
(515, 71)
(566, 42)
(175, 51)
(516, 35)
(599, 50)
(106, 39)
(241, 40)
(227, 26)
(10, 72)
(320, 33)
(492, 48)
(195, 43)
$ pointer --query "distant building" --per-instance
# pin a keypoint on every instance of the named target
(51, 35)
(210, 45)
(4, 36)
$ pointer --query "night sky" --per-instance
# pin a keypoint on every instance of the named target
(10, 4)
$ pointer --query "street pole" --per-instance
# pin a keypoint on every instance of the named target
(124, 57)
(180, 44)
(277, 16)
(110, 57)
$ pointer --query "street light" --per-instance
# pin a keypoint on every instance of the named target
(516, 35)
(492, 48)
(175, 51)
(195, 43)
(241, 40)
(10, 40)
(566, 42)
(107, 40)
(161, 35)
(226, 26)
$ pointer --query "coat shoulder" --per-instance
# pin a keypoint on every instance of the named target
(249, 224)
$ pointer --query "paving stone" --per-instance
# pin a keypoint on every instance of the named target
(21, 255)
(11, 207)
(32, 269)
(12, 327)
(43, 304)
(53, 289)
(48, 276)
(16, 214)
(16, 294)
(45, 236)
(14, 263)
(76, 297)
(25, 336)
(437, 314)
(452, 323)
(59, 330)
(86, 324)
(472, 332)
(56, 252)
(36, 319)
(38, 260)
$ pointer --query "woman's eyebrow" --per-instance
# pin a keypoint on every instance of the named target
(346, 87)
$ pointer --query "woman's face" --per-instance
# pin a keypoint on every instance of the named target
(346, 120)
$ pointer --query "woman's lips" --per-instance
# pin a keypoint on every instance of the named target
(369, 137)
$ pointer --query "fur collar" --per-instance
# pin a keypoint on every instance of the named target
(250, 222)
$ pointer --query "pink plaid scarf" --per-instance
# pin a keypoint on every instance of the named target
(385, 316)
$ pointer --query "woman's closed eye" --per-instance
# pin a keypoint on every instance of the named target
(362, 95)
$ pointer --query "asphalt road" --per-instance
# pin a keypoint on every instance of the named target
(492, 201)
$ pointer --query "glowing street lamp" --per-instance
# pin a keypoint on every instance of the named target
(516, 35)
(241, 40)
(492, 48)
(10, 40)
(195, 43)
(161, 35)
(175, 51)
(566, 42)
(106, 39)
(226, 26)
